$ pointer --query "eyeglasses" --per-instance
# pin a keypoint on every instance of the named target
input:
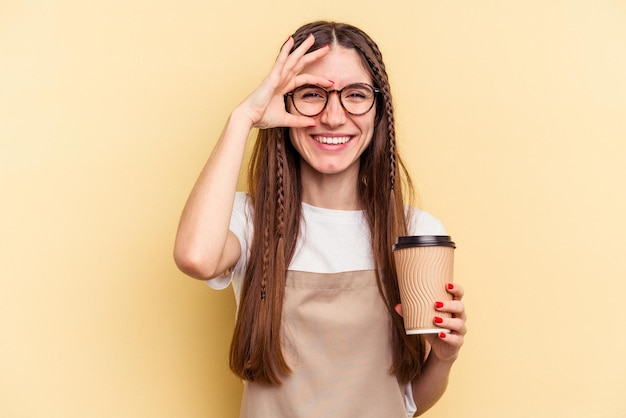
(356, 99)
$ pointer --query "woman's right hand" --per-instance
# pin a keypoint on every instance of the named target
(265, 107)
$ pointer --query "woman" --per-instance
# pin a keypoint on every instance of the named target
(308, 249)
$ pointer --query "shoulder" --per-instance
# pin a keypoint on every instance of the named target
(422, 222)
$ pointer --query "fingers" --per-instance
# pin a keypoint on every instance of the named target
(456, 308)
(301, 54)
(289, 65)
(455, 325)
(304, 78)
(452, 341)
(446, 344)
(398, 309)
(265, 106)
(455, 290)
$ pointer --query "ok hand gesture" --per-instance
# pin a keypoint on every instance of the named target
(265, 106)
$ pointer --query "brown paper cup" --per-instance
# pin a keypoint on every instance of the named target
(424, 264)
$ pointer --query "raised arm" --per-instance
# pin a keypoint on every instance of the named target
(204, 246)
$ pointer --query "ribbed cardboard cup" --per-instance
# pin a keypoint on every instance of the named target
(425, 265)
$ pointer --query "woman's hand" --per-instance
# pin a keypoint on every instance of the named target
(265, 107)
(445, 346)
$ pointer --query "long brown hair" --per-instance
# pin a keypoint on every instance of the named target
(276, 195)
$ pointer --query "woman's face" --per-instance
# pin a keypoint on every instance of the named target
(337, 141)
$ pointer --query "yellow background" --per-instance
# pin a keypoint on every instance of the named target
(511, 115)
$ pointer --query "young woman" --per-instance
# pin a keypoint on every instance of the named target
(308, 248)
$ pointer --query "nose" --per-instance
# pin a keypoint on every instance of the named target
(333, 114)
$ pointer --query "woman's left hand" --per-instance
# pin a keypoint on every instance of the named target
(445, 346)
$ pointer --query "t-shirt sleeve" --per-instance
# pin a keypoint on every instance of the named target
(409, 402)
(239, 225)
(423, 223)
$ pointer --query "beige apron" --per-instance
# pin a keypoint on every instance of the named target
(336, 339)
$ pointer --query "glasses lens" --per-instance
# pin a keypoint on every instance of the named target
(309, 100)
(357, 98)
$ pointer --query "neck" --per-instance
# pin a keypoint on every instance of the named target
(330, 191)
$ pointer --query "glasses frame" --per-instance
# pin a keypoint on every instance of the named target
(328, 93)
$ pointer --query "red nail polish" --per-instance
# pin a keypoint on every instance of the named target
(438, 305)
(442, 335)
(438, 320)
(450, 286)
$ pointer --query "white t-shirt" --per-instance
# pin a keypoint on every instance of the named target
(331, 241)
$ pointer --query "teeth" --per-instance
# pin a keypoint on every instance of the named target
(332, 140)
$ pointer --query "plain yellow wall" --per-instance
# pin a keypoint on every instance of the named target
(511, 115)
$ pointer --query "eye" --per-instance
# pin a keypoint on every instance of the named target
(357, 93)
(310, 93)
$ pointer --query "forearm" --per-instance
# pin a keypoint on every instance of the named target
(431, 384)
(203, 228)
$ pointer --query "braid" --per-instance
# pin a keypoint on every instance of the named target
(280, 188)
(392, 143)
(266, 257)
(255, 352)
(392, 135)
(380, 74)
(279, 265)
(409, 350)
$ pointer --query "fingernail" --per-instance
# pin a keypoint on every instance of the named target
(442, 335)
(450, 286)
(438, 320)
(438, 305)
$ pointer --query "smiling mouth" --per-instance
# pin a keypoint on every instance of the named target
(332, 140)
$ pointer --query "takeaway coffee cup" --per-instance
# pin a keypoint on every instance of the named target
(424, 264)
